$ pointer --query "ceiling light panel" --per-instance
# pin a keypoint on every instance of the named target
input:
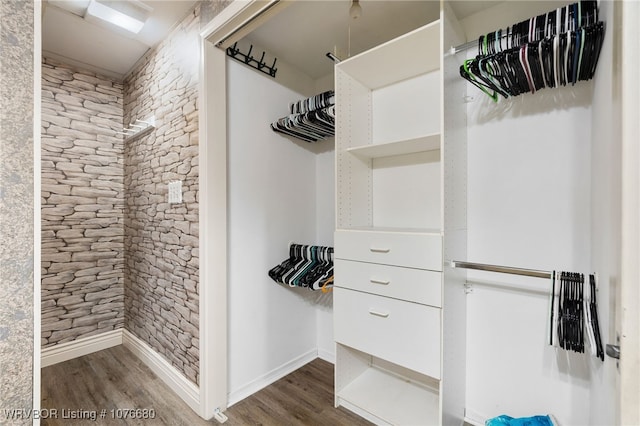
(129, 15)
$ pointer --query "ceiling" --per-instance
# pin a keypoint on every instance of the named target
(305, 31)
(301, 34)
(102, 47)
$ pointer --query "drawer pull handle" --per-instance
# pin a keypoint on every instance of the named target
(374, 281)
(379, 250)
(378, 313)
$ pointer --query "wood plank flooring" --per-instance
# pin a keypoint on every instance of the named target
(115, 379)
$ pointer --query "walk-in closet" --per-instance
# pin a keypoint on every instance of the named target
(281, 186)
(453, 204)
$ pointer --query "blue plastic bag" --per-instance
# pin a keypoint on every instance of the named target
(505, 420)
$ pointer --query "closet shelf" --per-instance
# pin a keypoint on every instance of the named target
(392, 398)
(408, 146)
(428, 231)
(418, 52)
(138, 128)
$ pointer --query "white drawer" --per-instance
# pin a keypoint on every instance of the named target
(414, 285)
(404, 333)
(412, 250)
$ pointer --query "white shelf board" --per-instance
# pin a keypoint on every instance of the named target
(408, 146)
(392, 398)
(410, 55)
(394, 230)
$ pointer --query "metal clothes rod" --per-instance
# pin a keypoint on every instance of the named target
(466, 46)
(501, 269)
(473, 44)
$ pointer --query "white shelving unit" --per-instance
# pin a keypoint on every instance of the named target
(395, 186)
(401, 147)
(388, 135)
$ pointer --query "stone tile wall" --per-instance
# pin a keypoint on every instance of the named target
(161, 239)
(16, 207)
(82, 204)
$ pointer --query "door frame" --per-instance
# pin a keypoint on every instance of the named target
(37, 212)
(629, 393)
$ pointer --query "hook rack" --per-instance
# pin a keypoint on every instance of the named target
(247, 59)
(138, 128)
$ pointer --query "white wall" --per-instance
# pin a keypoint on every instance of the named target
(542, 195)
(272, 202)
(528, 206)
(506, 13)
(281, 190)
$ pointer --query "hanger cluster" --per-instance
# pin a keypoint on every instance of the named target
(577, 313)
(307, 266)
(558, 48)
(310, 119)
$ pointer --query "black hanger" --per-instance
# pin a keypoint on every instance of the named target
(593, 306)
(307, 266)
(562, 311)
(553, 298)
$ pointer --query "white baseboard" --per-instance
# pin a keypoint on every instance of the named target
(272, 376)
(474, 418)
(79, 347)
(183, 387)
(327, 355)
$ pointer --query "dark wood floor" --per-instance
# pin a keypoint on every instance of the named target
(115, 379)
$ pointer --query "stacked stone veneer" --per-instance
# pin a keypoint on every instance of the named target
(161, 239)
(16, 209)
(82, 204)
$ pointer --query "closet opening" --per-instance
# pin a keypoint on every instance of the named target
(279, 188)
(475, 119)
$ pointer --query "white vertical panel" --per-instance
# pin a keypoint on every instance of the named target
(37, 203)
(272, 202)
(630, 294)
(353, 174)
(606, 215)
(454, 219)
(325, 225)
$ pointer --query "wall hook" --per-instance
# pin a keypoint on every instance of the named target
(248, 59)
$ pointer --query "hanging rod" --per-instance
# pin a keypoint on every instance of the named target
(465, 46)
(500, 269)
(468, 45)
(333, 57)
